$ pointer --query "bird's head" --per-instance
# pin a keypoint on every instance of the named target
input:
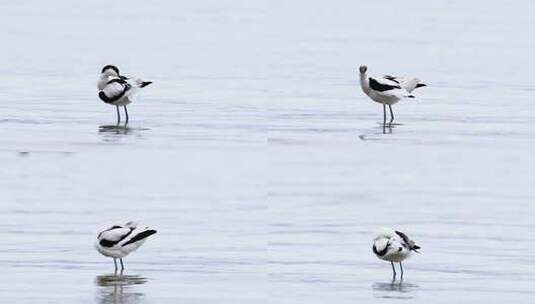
(110, 70)
(363, 69)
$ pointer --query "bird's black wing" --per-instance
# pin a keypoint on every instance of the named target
(382, 86)
(112, 236)
(140, 236)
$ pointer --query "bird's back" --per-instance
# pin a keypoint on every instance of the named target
(134, 86)
(390, 246)
(114, 91)
(138, 237)
(409, 84)
(384, 91)
(119, 241)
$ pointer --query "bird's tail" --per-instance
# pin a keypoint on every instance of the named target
(143, 84)
(140, 83)
(412, 83)
(141, 236)
(136, 85)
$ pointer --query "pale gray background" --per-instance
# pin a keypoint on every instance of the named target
(257, 157)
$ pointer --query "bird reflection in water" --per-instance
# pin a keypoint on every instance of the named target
(114, 129)
(115, 133)
(389, 126)
(386, 128)
(119, 289)
(394, 290)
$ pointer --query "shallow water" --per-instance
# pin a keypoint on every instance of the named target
(256, 157)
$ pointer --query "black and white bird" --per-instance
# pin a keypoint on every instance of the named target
(387, 90)
(117, 90)
(393, 246)
(118, 241)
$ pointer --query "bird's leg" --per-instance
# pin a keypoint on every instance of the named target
(401, 267)
(126, 112)
(384, 114)
(118, 115)
(391, 114)
(115, 263)
(122, 265)
(393, 271)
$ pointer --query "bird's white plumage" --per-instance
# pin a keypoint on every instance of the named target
(114, 234)
(390, 95)
(393, 246)
(407, 83)
(387, 90)
(108, 73)
(120, 240)
(123, 88)
(386, 81)
(135, 85)
(102, 81)
(116, 89)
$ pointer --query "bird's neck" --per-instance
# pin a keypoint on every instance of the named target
(364, 83)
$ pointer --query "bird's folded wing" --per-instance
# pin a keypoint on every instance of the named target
(381, 244)
(114, 235)
(405, 239)
(383, 84)
(407, 83)
(138, 235)
(395, 245)
(393, 78)
(114, 90)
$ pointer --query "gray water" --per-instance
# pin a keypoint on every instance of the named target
(255, 155)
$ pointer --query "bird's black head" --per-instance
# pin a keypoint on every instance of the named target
(110, 68)
(363, 69)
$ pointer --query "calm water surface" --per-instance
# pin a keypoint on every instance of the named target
(256, 157)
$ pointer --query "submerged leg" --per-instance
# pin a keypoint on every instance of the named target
(122, 265)
(384, 114)
(126, 112)
(391, 114)
(401, 267)
(115, 263)
(118, 115)
(393, 270)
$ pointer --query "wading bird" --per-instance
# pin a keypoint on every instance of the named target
(118, 241)
(387, 90)
(117, 90)
(393, 246)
